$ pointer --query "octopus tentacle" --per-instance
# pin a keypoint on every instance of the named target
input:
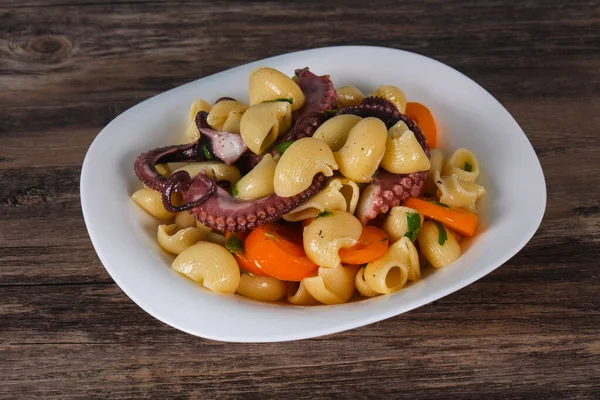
(387, 189)
(223, 212)
(227, 147)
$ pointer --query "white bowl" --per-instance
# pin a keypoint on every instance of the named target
(124, 236)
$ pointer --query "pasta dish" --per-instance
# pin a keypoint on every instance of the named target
(309, 193)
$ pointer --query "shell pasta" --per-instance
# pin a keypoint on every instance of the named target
(305, 193)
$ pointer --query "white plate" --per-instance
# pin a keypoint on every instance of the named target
(468, 116)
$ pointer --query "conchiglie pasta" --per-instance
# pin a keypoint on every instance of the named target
(335, 131)
(403, 153)
(262, 123)
(332, 285)
(263, 288)
(151, 201)
(232, 123)
(393, 94)
(438, 254)
(360, 156)
(221, 111)
(298, 295)
(258, 182)
(297, 167)
(175, 239)
(268, 84)
(362, 286)
(216, 238)
(210, 265)
(192, 133)
(341, 194)
(326, 235)
(396, 224)
(454, 192)
(463, 164)
(349, 96)
(390, 272)
(436, 160)
(217, 170)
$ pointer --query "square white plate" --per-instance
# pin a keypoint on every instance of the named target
(124, 236)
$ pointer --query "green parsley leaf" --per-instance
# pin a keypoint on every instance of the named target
(468, 167)
(281, 147)
(363, 265)
(271, 236)
(243, 271)
(234, 244)
(437, 203)
(414, 225)
(325, 213)
(290, 100)
(331, 112)
(384, 240)
(442, 236)
(206, 152)
(234, 190)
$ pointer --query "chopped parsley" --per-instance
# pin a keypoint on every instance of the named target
(282, 147)
(414, 225)
(437, 203)
(468, 167)
(234, 190)
(271, 236)
(442, 235)
(243, 271)
(363, 265)
(331, 112)
(324, 213)
(206, 152)
(290, 100)
(384, 240)
(234, 244)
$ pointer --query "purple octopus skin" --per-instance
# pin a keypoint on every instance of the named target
(387, 189)
(227, 147)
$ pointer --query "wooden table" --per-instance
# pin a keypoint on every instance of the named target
(528, 330)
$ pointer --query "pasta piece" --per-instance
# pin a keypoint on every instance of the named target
(393, 94)
(232, 123)
(436, 160)
(403, 153)
(360, 156)
(210, 265)
(259, 181)
(192, 134)
(263, 288)
(175, 239)
(430, 237)
(151, 201)
(163, 169)
(349, 96)
(268, 84)
(203, 227)
(221, 111)
(332, 285)
(297, 167)
(263, 123)
(402, 221)
(464, 165)
(335, 131)
(457, 193)
(216, 238)
(361, 285)
(390, 272)
(213, 169)
(298, 295)
(326, 235)
(341, 194)
(185, 219)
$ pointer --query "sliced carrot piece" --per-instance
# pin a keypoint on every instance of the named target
(457, 219)
(372, 244)
(422, 116)
(278, 251)
(234, 242)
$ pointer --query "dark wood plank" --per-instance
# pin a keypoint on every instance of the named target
(531, 329)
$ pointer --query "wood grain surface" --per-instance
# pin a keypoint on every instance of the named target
(531, 329)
